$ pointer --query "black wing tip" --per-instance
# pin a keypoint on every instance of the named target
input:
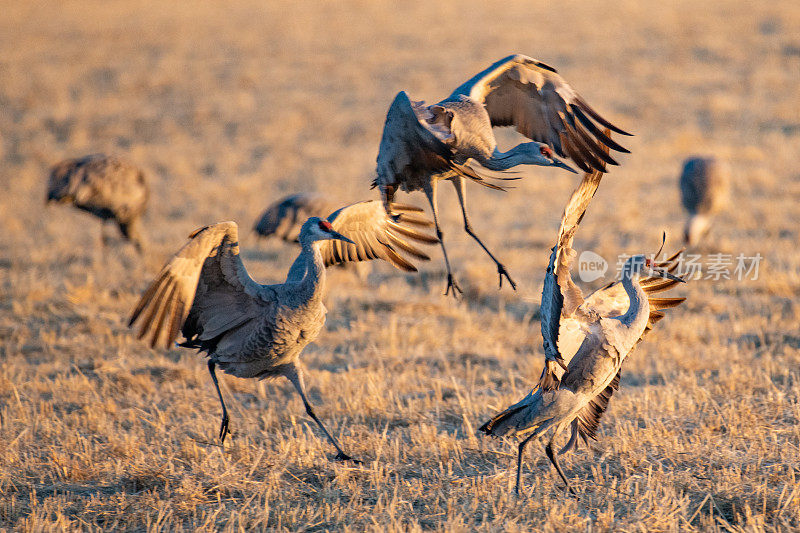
(599, 118)
(198, 231)
(488, 426)
(545, 66)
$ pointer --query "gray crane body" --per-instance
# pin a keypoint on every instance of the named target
(585, 340)
(266, 345)
(590, 370)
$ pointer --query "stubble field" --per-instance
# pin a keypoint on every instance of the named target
(230, 105)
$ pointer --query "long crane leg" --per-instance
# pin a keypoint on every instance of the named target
(295, 375)
(550, 455)
(430, 192)
(520, 451)
(460, 184)
(223, 428)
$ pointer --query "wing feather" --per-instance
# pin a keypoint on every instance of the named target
(561, 297)
(377, 234)
(209, 273)
(525, 93)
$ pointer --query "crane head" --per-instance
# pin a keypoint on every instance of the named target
(543, 155)
(319, 229)
(639, 265)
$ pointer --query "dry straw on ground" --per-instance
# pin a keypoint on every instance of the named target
(229, 105)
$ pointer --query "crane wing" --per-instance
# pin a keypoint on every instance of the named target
(409, 147)
(378, 234)
(285, 217)
(525, 93)
(560, 296)
(203, 291)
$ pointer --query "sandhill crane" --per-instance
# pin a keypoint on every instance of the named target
(705, 188)
(108, 187)
(284, 218)
(585, 340)
(424, 144)
(258, 331)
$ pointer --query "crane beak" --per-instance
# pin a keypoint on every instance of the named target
(339, 236)
(561, 164)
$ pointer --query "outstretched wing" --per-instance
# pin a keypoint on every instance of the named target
(411, 149)
(204, 290)
(378, 234)
(560, 296)
(284, 218)
(525, 93)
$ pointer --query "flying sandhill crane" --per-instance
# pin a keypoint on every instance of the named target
(108, 187)
(705, 188)
(284, 218)
(424, 144)
(258, 331)
(585, 340)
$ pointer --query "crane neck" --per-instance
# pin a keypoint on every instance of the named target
(311, 286)
(639, 307)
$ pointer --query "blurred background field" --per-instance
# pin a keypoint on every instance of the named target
(229, 105)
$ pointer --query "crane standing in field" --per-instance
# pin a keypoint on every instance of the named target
(424, 144)
(705, 189)
(108, 187)
(258, 331)
(585, 340)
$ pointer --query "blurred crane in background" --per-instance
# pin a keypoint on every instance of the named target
(705, 191)
(108, 187)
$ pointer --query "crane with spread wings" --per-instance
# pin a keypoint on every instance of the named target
(423, 144)
(586, 340)
(258, 331)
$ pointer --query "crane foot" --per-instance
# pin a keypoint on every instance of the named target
(223, 428)
(341, 457)
(452, 285)
(501, 271)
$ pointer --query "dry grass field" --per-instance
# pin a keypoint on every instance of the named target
(228, 106)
